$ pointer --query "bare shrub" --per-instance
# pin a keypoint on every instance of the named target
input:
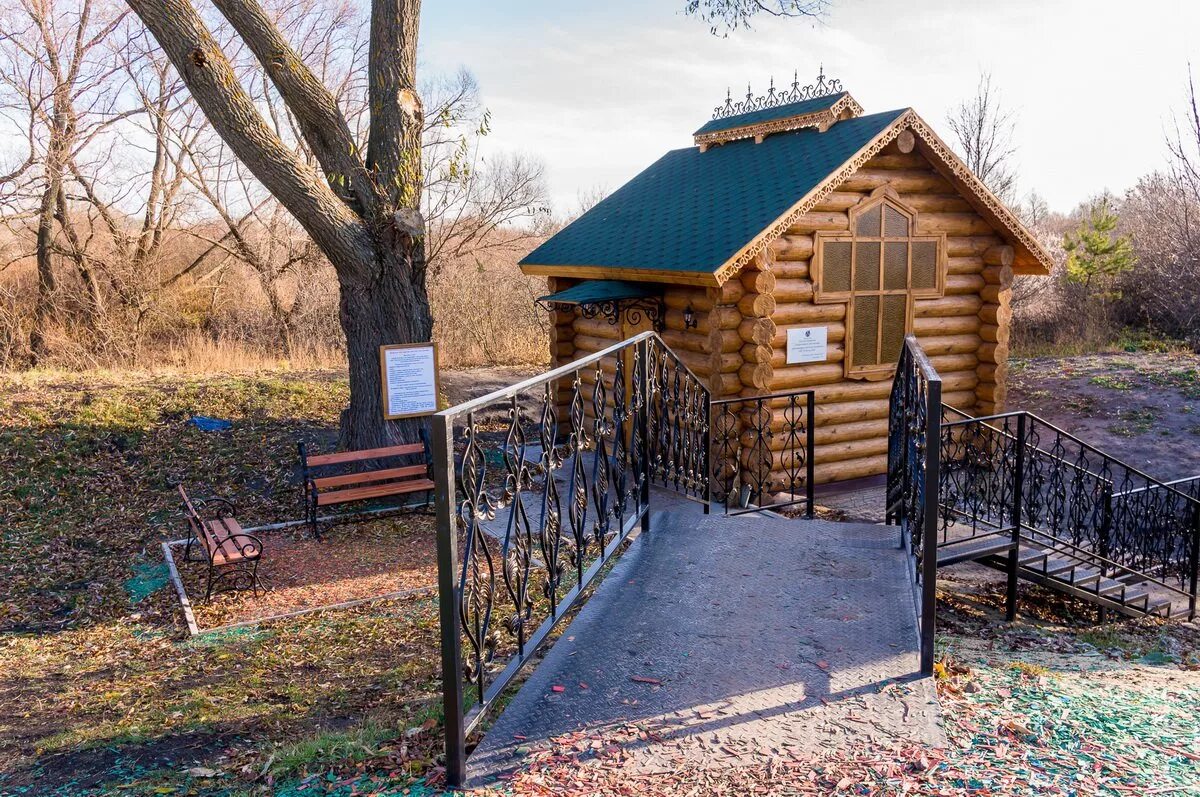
(484, 312)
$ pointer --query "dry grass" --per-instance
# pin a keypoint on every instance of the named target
(196, 353)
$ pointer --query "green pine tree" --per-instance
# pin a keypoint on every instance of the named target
(1096, 255)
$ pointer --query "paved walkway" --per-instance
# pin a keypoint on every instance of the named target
(856, 501)
(730, 641)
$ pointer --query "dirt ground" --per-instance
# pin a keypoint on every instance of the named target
(469, 383)
(1142, 407)
(355, 561)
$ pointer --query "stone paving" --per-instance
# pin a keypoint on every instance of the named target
(730, 641)
(860, 500)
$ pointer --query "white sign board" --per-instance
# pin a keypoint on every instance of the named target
(410, 380)
(807, 344)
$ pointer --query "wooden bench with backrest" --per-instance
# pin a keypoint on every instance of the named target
(232, 554)
(366, 475)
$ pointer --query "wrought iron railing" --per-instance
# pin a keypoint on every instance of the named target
(1016, 471)
(538, 487)
(762, 452)
(914, 427)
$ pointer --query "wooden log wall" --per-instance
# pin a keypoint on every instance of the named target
(739, 343)
(965, 332)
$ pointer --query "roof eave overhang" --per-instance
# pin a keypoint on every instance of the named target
(707, 279)
(1030, 258)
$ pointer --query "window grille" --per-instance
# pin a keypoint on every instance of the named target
(877, 270)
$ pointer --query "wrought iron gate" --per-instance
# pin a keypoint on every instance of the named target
(763, 452)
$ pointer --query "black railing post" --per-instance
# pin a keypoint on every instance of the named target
(933, 460)
(708, 457)
(448, 598)
(810, 450)
(1103, 538)
(1018, 497)
(647, 444)
(1194, 563)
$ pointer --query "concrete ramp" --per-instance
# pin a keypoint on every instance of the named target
(729, 639)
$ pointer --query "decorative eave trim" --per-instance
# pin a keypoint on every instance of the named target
(1001, 215)
(821, 119)
(988, 203)
(823, 189)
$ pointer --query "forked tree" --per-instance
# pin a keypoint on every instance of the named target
(362, 208)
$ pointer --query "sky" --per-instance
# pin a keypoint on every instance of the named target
(601, 90)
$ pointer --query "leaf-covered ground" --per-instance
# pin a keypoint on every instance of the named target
(102, 692)
(101, 688)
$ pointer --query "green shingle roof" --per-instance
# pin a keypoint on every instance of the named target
(691, 211)
(594, 291)
(767, 114)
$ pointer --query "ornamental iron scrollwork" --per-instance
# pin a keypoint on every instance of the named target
(914, 434)
(678, 424)
(773, 99)
(633, 311)
(541, 485)
(1068, 497)
(763, 452)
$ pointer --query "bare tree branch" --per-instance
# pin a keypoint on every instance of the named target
(314, 107)
(215, 87)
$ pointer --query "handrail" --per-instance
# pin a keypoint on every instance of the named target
(1094, 513)
(610, 425)
(1076, 551)
(769, 397)
(1081, 552)
(913, 478)
(983, 421)
(1170, 484)
(550, 376)
(967, 419)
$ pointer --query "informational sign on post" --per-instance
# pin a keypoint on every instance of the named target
(807, 344)
(410, 380)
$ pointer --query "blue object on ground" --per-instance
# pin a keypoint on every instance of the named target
(206, 424)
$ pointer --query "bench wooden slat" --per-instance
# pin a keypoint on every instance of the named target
(367, 453)
(326, 482)
(375, 491)
(222, 545)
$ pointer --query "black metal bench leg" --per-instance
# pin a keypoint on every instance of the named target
(313, 526)
(209, 586)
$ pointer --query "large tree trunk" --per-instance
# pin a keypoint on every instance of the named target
(363, 215)
(371, 318)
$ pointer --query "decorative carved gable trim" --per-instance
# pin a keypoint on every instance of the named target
(943, 156)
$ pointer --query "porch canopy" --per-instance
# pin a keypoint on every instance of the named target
(610, 299)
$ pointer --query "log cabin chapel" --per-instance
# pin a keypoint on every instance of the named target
(796, 220)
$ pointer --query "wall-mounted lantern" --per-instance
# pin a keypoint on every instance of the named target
(689, 317)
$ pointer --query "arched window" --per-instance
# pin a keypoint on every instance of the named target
(877, 269)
